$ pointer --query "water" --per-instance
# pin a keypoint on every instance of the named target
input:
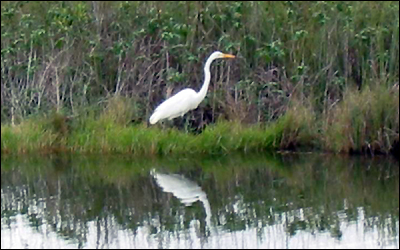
(253, 201)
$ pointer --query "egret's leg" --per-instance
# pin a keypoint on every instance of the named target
(186, 123)
(164, 124)
(169, 123)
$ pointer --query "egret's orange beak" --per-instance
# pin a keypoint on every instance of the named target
(228, 56)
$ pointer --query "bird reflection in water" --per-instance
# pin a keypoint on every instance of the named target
(185, 190)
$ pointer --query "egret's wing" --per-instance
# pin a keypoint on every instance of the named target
(177, 100)
(176, 105)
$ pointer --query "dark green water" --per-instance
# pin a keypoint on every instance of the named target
(253, 201)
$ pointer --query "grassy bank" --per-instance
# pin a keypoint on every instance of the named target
(364, 122)
(32, 136)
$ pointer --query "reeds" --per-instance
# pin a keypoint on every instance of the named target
(69, 56)
(365, 121)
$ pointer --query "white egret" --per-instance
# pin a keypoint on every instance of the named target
(186, 99)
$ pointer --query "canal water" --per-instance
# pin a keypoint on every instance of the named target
(234, 201)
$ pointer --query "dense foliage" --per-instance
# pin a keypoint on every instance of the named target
(80, 58)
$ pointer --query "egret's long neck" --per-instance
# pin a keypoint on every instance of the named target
(207, 76)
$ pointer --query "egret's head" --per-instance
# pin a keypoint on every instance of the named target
(218, 54)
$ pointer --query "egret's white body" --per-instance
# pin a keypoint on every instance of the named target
(186, 99)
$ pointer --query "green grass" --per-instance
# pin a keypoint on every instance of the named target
(29, 136)
(223, 137)
(366, 121)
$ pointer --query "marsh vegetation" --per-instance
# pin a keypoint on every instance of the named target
(85, 76)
